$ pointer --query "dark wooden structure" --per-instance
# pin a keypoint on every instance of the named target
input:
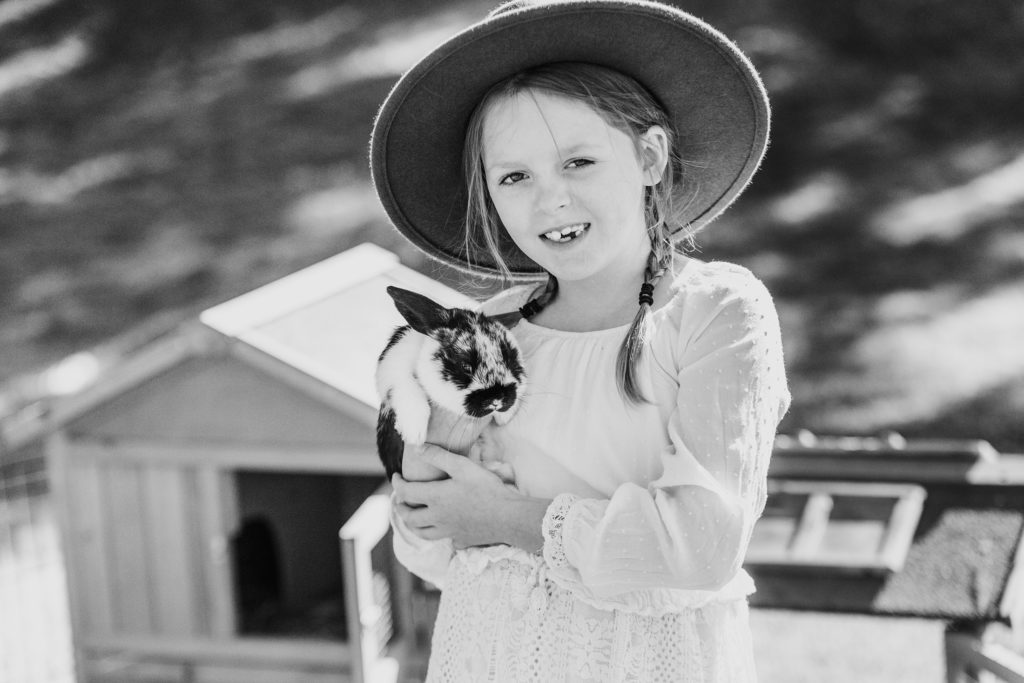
(945, 516)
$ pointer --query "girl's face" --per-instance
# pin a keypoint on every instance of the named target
(568, 187)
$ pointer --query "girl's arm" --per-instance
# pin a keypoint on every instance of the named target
(426, 546)
(689, 528)
(428, 558)
(472, 507)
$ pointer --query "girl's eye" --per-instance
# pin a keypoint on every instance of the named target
(579, 163)
(512, 178)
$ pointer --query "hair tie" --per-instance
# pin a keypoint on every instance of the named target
(530, 308)
(647, 294)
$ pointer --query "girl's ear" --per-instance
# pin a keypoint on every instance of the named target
(653, 154)
(422, 314)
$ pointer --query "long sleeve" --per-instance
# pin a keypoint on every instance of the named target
(426, 559)
(689, 527)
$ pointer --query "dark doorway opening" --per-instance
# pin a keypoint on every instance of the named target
(286, 552)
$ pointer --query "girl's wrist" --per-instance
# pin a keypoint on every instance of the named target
(415, 469)
(522, 518)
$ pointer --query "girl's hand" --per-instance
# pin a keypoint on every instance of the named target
(456, 433)
(472, 507)
(416, 468)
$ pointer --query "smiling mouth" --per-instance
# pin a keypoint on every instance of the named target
(566, 234)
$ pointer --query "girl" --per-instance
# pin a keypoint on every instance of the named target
(584, 140)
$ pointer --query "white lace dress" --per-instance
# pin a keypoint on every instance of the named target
(640, 577)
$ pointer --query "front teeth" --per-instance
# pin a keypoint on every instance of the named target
(567, 233)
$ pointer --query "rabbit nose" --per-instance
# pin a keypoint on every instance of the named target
(498, 398)
(507, 399)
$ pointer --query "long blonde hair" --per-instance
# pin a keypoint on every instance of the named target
(625, 105)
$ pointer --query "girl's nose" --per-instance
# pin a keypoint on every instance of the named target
(555, 194)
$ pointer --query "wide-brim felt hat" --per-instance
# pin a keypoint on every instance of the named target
(709, 89)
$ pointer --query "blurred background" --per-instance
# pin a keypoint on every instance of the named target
(160, 157)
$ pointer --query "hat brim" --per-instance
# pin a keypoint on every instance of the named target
(710, 90)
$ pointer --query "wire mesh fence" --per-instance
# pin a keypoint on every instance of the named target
(35, 633)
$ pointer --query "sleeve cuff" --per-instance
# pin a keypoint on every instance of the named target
(551, 528)
(426, 559)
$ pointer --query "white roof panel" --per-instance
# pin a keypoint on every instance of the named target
(331, 320)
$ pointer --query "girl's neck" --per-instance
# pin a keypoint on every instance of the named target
(605, 301)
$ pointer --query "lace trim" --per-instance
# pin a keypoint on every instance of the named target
(551, 528)
(506, 561)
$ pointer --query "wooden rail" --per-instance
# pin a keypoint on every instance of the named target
(969, 659)
(363, 531)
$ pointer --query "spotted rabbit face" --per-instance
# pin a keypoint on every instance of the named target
(470, 364)
(478, 363)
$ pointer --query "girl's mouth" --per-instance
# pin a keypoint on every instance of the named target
(566, 234)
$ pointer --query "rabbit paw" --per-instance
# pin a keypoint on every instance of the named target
(412, 423)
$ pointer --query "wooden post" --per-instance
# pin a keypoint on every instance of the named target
(219, 584)
(972, 658)
(364, 530)
(56, 451)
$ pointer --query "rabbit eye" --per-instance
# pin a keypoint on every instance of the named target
(467, 366)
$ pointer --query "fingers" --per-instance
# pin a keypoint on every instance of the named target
(415, 517)
(450, 463)
(419, 521)
(417, 493)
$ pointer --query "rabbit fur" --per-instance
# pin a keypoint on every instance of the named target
(450, 359)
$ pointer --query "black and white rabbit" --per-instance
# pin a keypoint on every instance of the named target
(450, 359)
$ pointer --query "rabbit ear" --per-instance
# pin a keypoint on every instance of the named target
(422, 314)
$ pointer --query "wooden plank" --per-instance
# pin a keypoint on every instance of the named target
(131, 585)
(401, 601)
(841, 488)
(90, 546)
(1007, 469)
(364, 530)
(893, 447)
(246, 674)
(994, 658)
(169, 553)
(902, 526)
(844, 527)
(216, 553)
(342, 460)
(58, 468)
(116, 669)
(968, 656)
(813, 523)
(1012, 603)
(282, 652)
(197, 550)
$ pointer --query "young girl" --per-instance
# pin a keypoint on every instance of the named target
(584, 140)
